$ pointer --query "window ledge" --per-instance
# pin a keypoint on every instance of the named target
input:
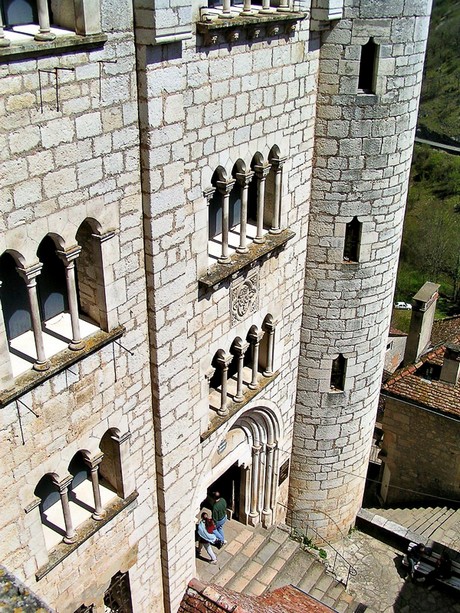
(257, 25)
(219, 272)
(363, 98)
(84, 532)
(32, 378)
(33, 48)
(233, 407)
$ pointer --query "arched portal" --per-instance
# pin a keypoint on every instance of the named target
(248, 479)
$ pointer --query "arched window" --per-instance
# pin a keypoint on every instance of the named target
(14, 299)
(111, 469)
(90, 277)
(19, 12)
(352, 240)
(65, 504)
(51, 282)
(215, 216)
(51, 512)
(218, 382)
(367, 67)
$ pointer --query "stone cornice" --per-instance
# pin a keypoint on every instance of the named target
(61, 44)
(258, 25)
(84, 532)
(234, 407)
(219, 272)
(32, 378)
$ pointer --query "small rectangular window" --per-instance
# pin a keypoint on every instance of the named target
(338, 373)
(352, 240)
(367, 68)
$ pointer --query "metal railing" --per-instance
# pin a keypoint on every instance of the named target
(302, 535)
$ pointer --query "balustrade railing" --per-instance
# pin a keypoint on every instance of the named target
(310, 538)
(227, 9)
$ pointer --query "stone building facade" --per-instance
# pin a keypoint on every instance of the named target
(421, 419)
(78, 479)
(201, 213)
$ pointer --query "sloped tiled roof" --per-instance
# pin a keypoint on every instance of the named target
(202, 598)
(409, 384)
(16, 597)
(445, 330)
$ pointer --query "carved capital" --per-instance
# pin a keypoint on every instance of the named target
(30, 274)
(240, 347)
(225, 187)
(209, 192)
(223, 359)
(244, 178)
(262, 171)
(255, 335)
(70, 255)
(93, 461)
(277, 163)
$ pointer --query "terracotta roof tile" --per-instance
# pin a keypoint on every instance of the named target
(409, 383)
(202, 598)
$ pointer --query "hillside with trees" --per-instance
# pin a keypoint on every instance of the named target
(431, 238)
(440, 107)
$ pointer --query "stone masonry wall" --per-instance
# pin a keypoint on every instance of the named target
(421, 454)
(363, 153)
(200, 108)
(58, 168)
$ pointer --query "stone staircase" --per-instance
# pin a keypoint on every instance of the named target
(440, 524)
(257, 560)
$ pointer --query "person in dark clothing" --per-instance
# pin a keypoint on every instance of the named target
(219, 515)
(442, 570)
(413, 556)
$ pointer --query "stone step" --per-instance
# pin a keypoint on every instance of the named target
(257, 560)
(252, 559)
(436, 522)
(429, 522)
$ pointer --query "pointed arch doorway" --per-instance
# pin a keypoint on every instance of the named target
(250, 483)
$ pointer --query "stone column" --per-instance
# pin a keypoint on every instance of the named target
(253, 518)
(261, 174)
(225, 187)
(277, 165)
(254, 336)
(6, 374)
(226, 12)
(240, 347)
(246, 8)
(69, 257)
(267, 512)
(70, 534)
(3, 41)
(244, 178)
(274, 486)
(269, 326)
(265, 7)
(30, 277)
(44, 32)
(93, 465)
(284, 7)
(223, 361)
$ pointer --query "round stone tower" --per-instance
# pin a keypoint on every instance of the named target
(369, 84)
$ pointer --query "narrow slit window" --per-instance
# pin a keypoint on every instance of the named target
(352, 241)
(367, 67)
(338, 371)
